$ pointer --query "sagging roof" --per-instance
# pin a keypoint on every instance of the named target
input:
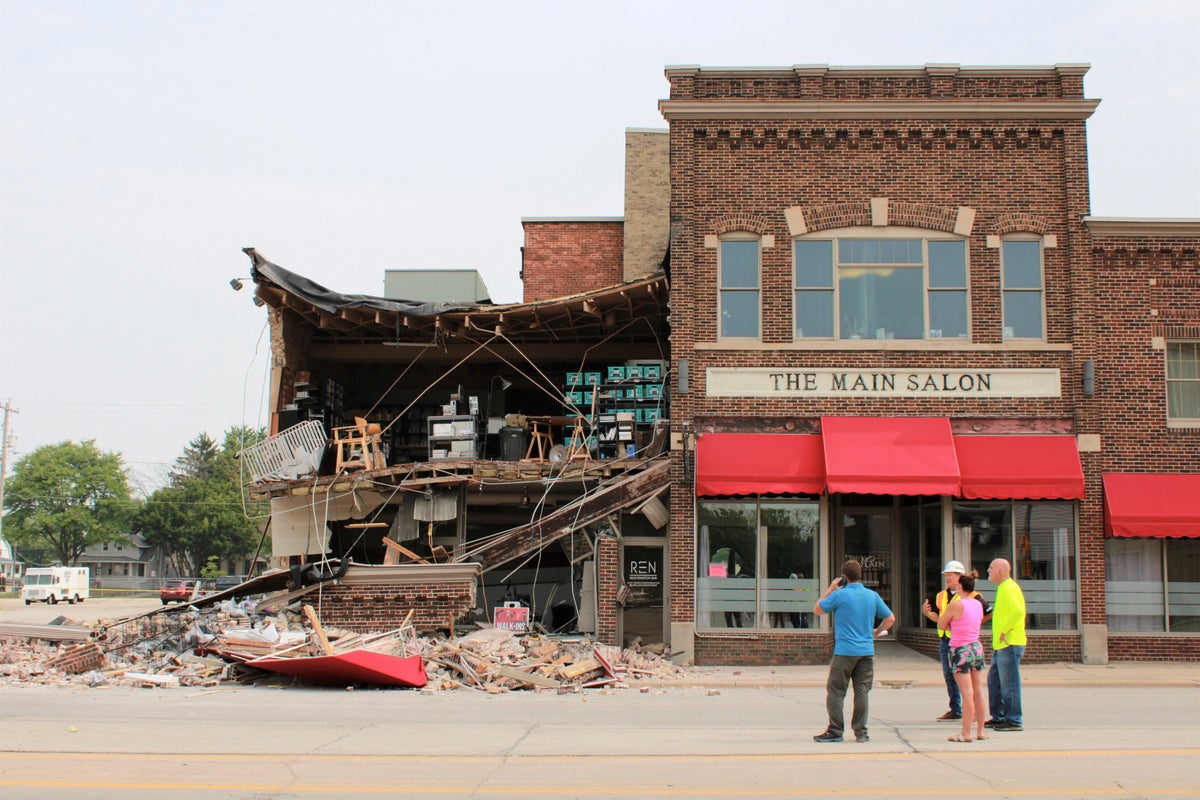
(626, 312)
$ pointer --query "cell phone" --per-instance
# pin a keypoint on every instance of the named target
(843, 581)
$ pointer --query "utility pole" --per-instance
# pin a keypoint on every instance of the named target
(8, 410)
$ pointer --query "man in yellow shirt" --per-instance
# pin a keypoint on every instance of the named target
(1008, 648)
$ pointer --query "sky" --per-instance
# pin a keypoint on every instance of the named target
(144, 144)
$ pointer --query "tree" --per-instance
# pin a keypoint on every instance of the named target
(66, 497)
(201, 514)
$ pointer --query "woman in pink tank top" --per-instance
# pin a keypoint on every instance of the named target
(962, 618)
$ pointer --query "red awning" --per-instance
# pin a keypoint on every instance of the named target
(1019, 467)
(758, 463)
(1152, 505)
(890, 455)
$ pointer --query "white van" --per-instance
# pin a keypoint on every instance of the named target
(51, 584)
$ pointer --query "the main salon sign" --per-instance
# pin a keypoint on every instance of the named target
(926, 383)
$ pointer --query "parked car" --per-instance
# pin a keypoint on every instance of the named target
(177, 591)
(228, 582)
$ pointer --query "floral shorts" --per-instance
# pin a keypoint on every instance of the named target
(966, 658)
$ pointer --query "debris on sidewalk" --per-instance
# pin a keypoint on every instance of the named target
(239, 643)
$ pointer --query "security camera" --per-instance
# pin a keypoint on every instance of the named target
(237, 284)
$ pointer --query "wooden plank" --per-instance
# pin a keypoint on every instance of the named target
(532, 678)
(399, 548)
(580, 668)
(311, 615)
(625, 492)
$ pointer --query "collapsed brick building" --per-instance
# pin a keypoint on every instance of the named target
(893, 332)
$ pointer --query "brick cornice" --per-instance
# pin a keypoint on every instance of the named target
(673, 110)
(1149, 226)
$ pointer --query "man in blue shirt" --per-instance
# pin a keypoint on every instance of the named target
(855, 631)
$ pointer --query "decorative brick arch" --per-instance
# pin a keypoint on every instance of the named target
(842, 215)
(741, 223)
(1021, 223)
(923, 215)
(947, 219)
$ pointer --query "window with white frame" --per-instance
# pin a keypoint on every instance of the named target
(1183, 382)
(740, 288)
(1022, 288)
(1152, 585)
(857, 287)
(757, 563)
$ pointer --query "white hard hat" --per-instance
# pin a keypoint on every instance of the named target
(954, 566)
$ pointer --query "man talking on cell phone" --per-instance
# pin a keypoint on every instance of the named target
(855, 609)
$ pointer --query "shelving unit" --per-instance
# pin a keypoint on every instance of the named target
(627, 397)
(453, 437)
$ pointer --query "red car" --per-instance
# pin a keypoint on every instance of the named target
(179, 591)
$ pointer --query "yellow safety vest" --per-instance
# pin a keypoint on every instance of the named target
(943, 600)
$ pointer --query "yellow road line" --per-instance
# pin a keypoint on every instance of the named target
(559, 757)
(575, 790)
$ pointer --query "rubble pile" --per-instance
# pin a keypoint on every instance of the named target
(211, 646)
(498, 661)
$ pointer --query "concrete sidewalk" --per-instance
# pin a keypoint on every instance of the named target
(896, 665)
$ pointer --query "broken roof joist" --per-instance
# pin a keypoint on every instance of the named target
(615, 495)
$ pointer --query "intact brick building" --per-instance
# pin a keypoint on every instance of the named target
(897, 335)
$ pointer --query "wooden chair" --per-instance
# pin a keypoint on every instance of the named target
(358, 446)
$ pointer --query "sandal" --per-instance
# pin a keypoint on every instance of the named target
(980, 737)
(957, 738)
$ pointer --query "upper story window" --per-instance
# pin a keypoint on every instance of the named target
(740, 288)
(1183, 382)
(1022, 286)
(851, 287)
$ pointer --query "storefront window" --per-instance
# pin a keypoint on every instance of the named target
(790, 587)
(1148, 589)
(1045, 566)
(1183, 584)
(757, 564)
(1038, 539)
(1134, 599)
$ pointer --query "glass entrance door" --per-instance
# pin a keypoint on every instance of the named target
(867, 535)
(643, 616)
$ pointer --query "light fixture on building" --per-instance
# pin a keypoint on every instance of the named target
(237, 283)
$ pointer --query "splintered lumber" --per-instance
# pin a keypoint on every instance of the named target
(532, 678)
(396, 547)
(318, 629)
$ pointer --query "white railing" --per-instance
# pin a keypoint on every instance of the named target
(292, 454)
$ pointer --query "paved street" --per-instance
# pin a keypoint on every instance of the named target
(667, 742)
(1121, 730)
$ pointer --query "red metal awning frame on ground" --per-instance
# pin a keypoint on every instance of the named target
(730, 464)
(1152, 505)
(1019, 467)
(890, 455)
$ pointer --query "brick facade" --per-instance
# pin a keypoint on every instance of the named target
(762, 152)
(564, 257)
(379, 606)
